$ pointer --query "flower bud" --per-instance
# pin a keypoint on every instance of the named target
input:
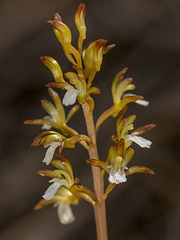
(57, 17)
(80, 20)
(54, 67)
(93, 56)
(62, 32)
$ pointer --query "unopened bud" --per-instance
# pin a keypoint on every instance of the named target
(62, 32)
(52, 64)
(80, 20)
(93, 55)
(57, 17)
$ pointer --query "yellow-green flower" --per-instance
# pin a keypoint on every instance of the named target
(120, 99)
(116, 165)
(63, 192)
(120, 155)
(123, 126)
(56, 118)
(53, 140)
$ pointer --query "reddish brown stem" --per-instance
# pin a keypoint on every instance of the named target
(99, 209)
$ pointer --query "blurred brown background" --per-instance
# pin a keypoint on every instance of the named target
(147, 34)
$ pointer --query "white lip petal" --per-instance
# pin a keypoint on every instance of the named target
(142, 102)
(52, 189)
(65, 213)
(46, 126)
(142, 142)
(50, 152)
(117, 176)
(70, 96)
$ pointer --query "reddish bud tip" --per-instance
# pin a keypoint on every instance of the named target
(76, 181)
(57, 17)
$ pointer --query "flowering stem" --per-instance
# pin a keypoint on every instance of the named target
(99, 209)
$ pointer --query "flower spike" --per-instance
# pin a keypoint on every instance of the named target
(64, 190)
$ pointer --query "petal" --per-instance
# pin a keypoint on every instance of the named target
(142, 142)
(138, 169)
(140, 102)
(144, 129)
(46, 126)
(52, 189)
(144, 103)
(50, 152)
(98, 163)
(117, 176)
(72, 112)
(65, 213)
(70, 96)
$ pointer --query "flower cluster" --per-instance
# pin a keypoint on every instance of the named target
(121, 154)
(86, 62)
(64, 190)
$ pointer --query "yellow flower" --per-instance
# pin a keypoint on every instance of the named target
(63, 191)
(116, 165)
(123, 126)
(53, 140)
(120, 155)
(56, 118)
(119, 86)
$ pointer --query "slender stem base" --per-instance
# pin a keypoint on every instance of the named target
(99, 209)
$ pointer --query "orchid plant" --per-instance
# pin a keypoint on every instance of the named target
(64, 190)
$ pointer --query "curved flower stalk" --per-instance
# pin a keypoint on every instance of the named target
(119, 86)
(53, 140)
(64, 191)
